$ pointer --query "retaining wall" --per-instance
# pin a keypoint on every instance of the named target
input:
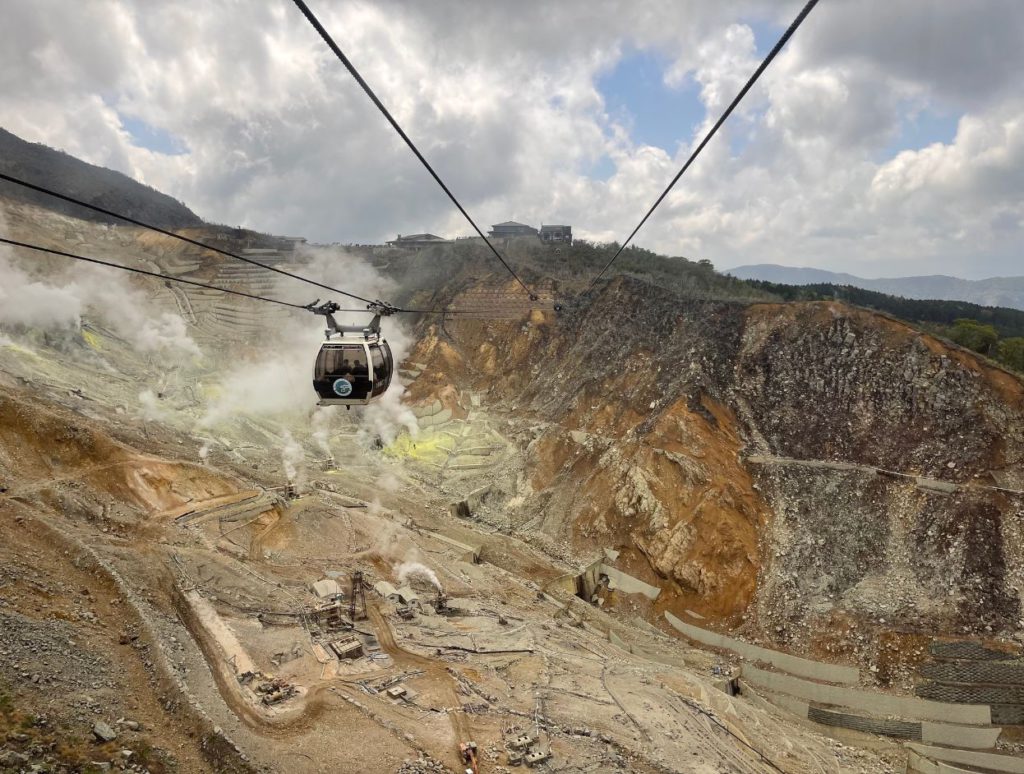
(1001, 763)
(1000, 672)
(970, 737)
(794, 665)
(972, 694)
(628, 584)
(872, 703)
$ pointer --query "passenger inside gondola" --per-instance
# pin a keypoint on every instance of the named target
(341, 373)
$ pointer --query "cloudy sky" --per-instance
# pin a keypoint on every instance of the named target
(888, 139)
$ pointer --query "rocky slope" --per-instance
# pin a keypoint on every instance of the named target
(731, 453)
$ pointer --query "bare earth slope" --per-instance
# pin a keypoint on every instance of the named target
(153, 572)
(745, 458)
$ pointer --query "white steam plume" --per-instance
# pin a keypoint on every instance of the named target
(152, 411)
(321, 434)
(293, 460)
(59, 302)
(388, 417)
(280, 381)
(389, 482)
(408, 570)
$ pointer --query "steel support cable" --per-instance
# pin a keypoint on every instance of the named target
(165, 232)
(315, 22)
(728, 111)
(194, 283)
(157, 275)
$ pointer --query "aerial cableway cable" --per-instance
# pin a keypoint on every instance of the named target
(373, 305)
(728, 111)
(158, 275)
(165, 232)
(315, 22)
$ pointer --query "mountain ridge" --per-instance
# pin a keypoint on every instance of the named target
(991, 291)
(60, 171)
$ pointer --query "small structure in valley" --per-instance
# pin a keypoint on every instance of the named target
(328, 590)
(349, 648)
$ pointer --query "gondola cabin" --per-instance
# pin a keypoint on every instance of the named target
(354, 367)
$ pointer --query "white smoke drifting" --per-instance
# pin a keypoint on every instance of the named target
(321, 434)
(293, 459)
(60, 302)
(152, 411)
(408, 570)
(279, 382)
(389, 482)
(388, 417)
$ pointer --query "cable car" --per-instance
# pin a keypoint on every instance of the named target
(354, 366)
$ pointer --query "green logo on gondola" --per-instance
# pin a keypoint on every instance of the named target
(342, 388)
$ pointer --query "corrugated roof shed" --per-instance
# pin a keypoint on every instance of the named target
(327, 588)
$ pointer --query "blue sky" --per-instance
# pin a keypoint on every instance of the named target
(637, 97)
(152, 138)
(921, 128)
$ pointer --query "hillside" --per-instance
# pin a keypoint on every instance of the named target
(541, 502)
(1007, 322)
(994, 291)
(143, 491)
(44, 166)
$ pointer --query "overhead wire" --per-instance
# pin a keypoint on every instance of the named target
(195, 283)
(206, 246)
(728, 111)
(156, 274)
(315, 22)
(166, 232)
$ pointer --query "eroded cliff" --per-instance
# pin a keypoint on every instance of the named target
(774, 467)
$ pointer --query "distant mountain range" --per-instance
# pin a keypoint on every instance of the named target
(50, 168)
(996, 291)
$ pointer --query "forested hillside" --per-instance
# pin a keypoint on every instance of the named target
(105, 188)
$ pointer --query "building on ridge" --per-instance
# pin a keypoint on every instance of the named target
(556, 234)
(418, 241)
(510, 229)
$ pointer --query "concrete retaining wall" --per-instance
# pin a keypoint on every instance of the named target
(792, 664)
(1002, 763)
(468, 553)
(628, 584)
(877, 704)
(916, 764)
(971, 737)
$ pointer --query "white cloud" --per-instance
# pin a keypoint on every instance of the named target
(502, 98)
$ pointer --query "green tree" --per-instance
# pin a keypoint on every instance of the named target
(974, 335)
(1011, 353)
